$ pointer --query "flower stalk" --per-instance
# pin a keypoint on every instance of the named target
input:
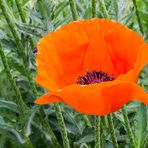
(138, 17)
(14, 32)
(22, 15)
(128, 128)
(94, 12)
(98, 133)
(20, 50)
(47, 127)
(87, 121)
(112, 130)
(19, 100)
(62, 125)
(102, 4)
(73, 9)
(28, 143)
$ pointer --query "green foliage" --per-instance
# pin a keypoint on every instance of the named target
(41, 17)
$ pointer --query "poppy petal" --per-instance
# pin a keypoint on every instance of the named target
(123, 46)
(88, 45)
(142, 60)
(82, 46)
(50, 71)
(60, 56)
(47, 98)
(100, 98)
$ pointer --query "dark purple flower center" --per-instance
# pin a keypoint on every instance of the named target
(94, 77)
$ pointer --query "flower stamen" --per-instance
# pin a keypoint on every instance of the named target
(94, 77)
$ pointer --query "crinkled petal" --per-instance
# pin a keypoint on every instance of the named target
(98, 99)
(85, 45)
(142, 60)
(47, 98)
(50, 71)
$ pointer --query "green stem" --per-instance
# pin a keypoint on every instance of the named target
(103, 126)
(3, 139)
(47, 128)
(15, 34)
(87, 121)
(20, 50)
(112, 130)
(62, 125)
(138, 17)
(104, 121)
(128, 128)
(104, 9)
(19, 100)
(98, 133)
(73, 9)
(28, 143)
(94, 12)
(22, 15)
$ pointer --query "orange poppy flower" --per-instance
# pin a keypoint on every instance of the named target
(91, 65)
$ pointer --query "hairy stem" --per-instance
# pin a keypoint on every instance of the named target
(98, 133)
(14, 32)
(73, 9)
(62, 126)
(94, 12)
(128, 128)
(112, 130)
(87, 121)
(22, 15)
(47, 128)
(28, 143)
(19, 100)
(106, 15)
(138, 17)
(19, 44)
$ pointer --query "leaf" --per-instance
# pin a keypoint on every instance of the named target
(9, 105)
(59, 8)
(114, 9)
(18, 136)
(30, 120)
(14, 63)
(87, 136)
(141, 128)
(3, 139)
(31, 30)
